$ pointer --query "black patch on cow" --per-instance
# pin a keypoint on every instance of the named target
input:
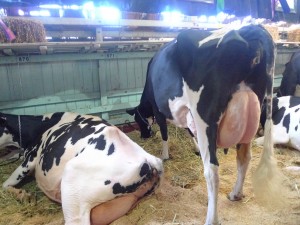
(111, 149)
(286, 122)
(31, 126)
(24, 174)
(80, 152)
(107, 182)
(145, 170)
(56, 141)
(294, 101)
(279, 115)
(100, 130)
(100, 142)
(296, 128)
(31, 153)
(297, 110)
(119, 189)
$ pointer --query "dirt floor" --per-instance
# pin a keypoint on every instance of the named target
(182, 197)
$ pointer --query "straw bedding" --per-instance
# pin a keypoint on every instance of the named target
(182, 197)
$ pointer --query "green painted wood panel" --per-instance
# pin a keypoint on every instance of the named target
(93, 83)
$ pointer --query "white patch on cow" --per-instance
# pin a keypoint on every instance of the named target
(47, 116)
(212, 181)
(297, 91)
(180, 106)
(150, 121)
(219, 34)
(7, 140)
(256, 59)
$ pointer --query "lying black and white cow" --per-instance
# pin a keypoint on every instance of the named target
(90, 166)
(213, 83)
(21, 131)
(290, 83)
(286, 120)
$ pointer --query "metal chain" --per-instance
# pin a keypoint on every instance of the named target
(20, 130)
(145, 121)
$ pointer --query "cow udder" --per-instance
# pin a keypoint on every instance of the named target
(240, 121)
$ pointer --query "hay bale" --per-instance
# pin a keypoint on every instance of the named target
(25, 30)
(273, 31)
(293, 35)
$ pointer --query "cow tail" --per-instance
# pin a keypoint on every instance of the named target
(268, 179)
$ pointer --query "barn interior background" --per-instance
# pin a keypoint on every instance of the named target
(91, 57)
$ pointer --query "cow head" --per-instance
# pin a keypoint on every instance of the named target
(143, 122)
(7, 138)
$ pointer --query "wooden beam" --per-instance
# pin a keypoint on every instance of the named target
(125, 23)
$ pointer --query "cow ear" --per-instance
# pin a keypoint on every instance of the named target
(131, 111)
(2, 121)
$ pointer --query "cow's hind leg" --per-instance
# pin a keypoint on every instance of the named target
(109, 211)
(243, 158)
(95, 203)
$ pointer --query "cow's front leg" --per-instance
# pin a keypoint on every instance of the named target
(243, 158)
(162, 123)
(26, 168)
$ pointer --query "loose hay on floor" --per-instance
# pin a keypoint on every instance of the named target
(182, 197)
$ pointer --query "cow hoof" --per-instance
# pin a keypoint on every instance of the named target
(166, 159)
(197, 154)
(233, 197)
(22, 195)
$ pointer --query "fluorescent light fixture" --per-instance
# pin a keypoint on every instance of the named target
(73, 7)
(172, 16)
(40, 13)
(88, 10)
(202, 19)
(109, 14)
(61, 13)
(50, 6)
(212, 19)
(21, 12)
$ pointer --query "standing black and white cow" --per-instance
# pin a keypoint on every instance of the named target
(213, 83)
(91, 167)
(290, 83)
(286, 120)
